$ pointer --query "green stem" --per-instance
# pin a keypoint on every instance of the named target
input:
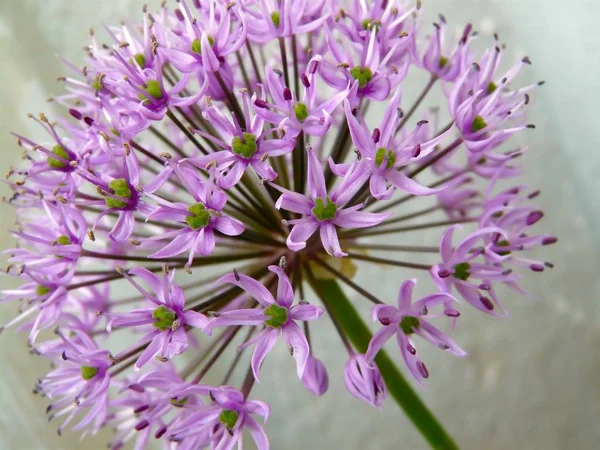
(358, 333)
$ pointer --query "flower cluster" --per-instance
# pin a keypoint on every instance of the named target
(230, 140)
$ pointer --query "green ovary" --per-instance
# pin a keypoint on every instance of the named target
(324, 211)
(461, 271)
(63, 240)
(179, 402)
(385, 155)
(408, 324)
(491, 87)
(276, 18)
(478, 124)
(246, 149)
(121, 189)
(362, 74)
(140, 59)
(301, 111)
(196, 46)
(153, 89)
(42, 290)
(503, 243)
(442, 62)
(87, 373)
(61, 153)
(200, 217)
(164, 318)
(229, 417)
(278, 314)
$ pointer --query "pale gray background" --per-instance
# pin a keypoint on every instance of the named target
(530, 382)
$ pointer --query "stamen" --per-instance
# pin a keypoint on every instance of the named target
(422, 369)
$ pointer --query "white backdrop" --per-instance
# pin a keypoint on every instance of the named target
(530, 382)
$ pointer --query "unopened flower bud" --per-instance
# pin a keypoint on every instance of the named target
(315, 377)
(364, 382)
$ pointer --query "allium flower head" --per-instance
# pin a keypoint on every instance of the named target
(237, 141)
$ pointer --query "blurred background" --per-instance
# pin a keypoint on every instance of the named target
(531, 381)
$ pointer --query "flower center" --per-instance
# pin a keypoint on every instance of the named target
(385, 155)
(196, 46)
(200, 217)
(278, 314)
(461, 271)
(179, 402)
(276, 18)
(121, 189)
(503, 243)
(478, 124)
(61, 153)
(229, 417)
(442, 62)
(491, 87)
(63, 240)
(164, 318)
(368, 24)
(324, 212)
(42, 290)
(408, 324)
(87, 372)
(301, 111)
(245, 149)
(140, 59)
(153, 89)
(362, 74)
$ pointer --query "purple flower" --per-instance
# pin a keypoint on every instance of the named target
(460, 197)
(322, 211)
(218, 31)
(388, 18)
(146, 86)
(150, 402)
(315, 377)
(241, 148)
(167, 317)
(410, 319)
(386, 159)
(122, 195)
(45, 297)
(511, 212)
(202, 219)
(441, 60)
(269, 19)
(221, 423)
(466, 268)
(365, 65)
(364, 381)
(54, 173)
(80, 382)
(277, 315)
(295, 115)
(485, 112)
(51, 245)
